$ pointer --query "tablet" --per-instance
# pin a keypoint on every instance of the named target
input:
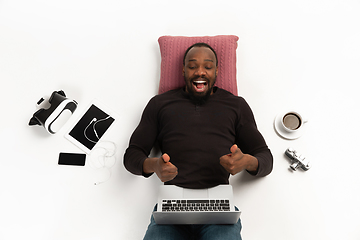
(91, 126)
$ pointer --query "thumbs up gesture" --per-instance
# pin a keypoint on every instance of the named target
(162, 166)
(237, 161)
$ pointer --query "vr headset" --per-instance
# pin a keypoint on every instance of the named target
(54, 117)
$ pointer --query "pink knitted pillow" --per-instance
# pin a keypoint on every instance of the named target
(172, 51)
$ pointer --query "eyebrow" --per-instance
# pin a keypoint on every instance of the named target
(206, 60)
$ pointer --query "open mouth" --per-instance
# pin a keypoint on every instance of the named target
(200, 85)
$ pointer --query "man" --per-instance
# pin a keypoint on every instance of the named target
(205, 134)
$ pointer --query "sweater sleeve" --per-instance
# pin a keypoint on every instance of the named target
(250, 141)
(265, 159)
(142, 140)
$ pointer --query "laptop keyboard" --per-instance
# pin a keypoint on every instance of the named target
(195, 205)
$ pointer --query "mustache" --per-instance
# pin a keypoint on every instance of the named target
(197, 78)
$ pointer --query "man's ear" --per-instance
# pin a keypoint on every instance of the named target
(183, 70)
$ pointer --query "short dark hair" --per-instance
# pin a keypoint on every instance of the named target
(200, 44)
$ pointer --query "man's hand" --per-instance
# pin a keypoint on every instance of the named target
(162, 166)
(236, 161)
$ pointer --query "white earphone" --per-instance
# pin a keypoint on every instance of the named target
(103, 157)
(95, 132)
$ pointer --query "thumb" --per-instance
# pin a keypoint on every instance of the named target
(233, 148)
(165, 158)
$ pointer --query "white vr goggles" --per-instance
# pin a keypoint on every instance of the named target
(54, 117)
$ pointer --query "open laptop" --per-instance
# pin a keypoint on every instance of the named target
(178, 205)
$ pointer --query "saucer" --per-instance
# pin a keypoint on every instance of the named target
(285, 134)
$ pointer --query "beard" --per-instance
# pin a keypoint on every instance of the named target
(196, 98)
(199, 99)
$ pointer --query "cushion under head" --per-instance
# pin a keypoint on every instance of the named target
(172, 50)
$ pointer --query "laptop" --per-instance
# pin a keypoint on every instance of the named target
(178, 205)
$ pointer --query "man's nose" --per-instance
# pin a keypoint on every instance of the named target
(201, 71)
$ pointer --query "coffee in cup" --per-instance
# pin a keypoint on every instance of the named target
(292, 121)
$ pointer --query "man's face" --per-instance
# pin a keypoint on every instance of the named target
(200, 72)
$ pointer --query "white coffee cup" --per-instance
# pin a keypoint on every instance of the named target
(292, 121)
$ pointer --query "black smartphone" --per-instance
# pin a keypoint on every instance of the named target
(75, 159)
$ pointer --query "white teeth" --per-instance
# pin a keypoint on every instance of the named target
(199, 82)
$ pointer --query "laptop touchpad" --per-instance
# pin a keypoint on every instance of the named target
(196, 193)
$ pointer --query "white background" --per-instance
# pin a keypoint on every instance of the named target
(303, 55)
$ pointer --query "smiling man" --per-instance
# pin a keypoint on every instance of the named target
(205, 134)
(200, 71)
